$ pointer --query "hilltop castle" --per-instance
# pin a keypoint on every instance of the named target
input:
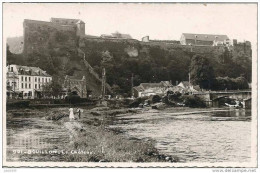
(37, 34)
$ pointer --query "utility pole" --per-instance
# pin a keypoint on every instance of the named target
(189, 78)
(84, 56)
(103, 89)
(132, 85)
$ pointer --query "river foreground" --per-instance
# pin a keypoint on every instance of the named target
(129, 135)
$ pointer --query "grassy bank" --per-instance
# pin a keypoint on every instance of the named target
(92, 135)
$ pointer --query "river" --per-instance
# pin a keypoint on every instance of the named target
(191, 135)
(219, 136)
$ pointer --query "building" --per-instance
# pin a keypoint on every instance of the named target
(146, 39)
(148, 89)
(116, 35)
(77, 85)
(185, 86)
(203, 39)
(25, 82)
(38, 34)
(79, 24)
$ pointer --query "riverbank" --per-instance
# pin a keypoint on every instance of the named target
(90, 139)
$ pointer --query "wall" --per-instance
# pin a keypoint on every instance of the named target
(198, 42)
(245, 48)
(81, 29)
(145, 39)
(39, 36)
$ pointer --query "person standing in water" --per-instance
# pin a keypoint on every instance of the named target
(71, 114)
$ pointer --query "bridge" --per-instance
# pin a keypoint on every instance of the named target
(212, 97)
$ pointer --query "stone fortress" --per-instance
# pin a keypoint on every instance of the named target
(38, 35)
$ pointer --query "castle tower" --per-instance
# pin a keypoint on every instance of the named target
(80, 28)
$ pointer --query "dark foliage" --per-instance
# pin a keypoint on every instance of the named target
(201, 72)
(18, 104)
(227, 83)
(193, 101)
(152, 63)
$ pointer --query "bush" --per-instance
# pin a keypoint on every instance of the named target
(18, 104)
(174, 96)
(82, 100)
(58, 101)
(137, 101)
(73, 99)
(193, 101)
(154, 99)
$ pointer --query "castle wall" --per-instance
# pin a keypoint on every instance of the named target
(198, 42)
(81, 29)
(239, 48)
(40, 36)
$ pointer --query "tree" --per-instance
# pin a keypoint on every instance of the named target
(222, 83)
(201, 72)
(52, 89)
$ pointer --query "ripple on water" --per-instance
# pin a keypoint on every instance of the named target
(195, 138)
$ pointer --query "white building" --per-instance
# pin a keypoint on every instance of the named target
(25, 82)
(148, 89)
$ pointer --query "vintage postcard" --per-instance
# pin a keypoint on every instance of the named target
(129, 85)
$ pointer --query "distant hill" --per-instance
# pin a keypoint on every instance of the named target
(15, 44)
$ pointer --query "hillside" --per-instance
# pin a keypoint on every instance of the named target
(61, 54)
(154, 62)
(15, 44)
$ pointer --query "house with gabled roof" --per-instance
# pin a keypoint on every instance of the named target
(187, 87)
(148, 89)
(26, 82)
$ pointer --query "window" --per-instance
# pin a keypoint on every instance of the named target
(12, 69)
(22, 85)
(29, 85)
(35, 86)
(25, 78)
(35, 79)
(29, 79)
(22, 78)
(38, 79)
(42, 80)
(26, 85)
(39, 86)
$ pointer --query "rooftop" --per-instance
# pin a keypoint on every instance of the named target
(205, 37)
(53, 19)
(33, 71)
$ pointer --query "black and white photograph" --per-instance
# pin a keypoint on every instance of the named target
(129, 85)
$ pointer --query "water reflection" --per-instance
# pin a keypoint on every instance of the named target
(24, 134)
(232, 115)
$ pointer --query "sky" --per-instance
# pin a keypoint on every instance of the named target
(162, 21)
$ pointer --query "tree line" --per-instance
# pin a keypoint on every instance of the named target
(151, 64)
